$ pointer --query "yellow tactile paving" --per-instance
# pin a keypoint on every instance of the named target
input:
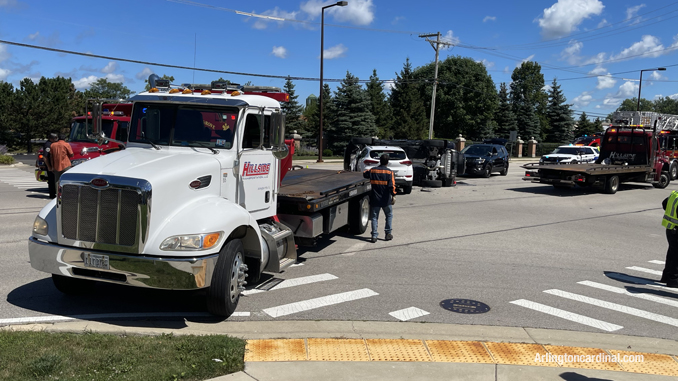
(590, 358)
(518, 354)
(337, 350)
(651, 364)
(397, 350)
(315, 349)
(458, 351)
(276, 350)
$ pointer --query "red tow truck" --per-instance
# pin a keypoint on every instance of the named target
(630, 152)
(114, 124)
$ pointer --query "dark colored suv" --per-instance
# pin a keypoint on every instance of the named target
(483, 159)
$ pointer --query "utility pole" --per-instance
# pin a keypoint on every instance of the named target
(436, 46)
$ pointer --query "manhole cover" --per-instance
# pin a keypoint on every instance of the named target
(464, 306)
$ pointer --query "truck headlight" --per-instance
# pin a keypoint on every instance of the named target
(40, 226)
(191, 241)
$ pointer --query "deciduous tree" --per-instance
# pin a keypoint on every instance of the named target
(103, 89)
(529, 100)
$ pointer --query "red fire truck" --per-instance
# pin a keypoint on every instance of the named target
(114, 124)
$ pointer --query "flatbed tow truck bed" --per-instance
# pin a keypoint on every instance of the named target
(590, 169)
(311, 190)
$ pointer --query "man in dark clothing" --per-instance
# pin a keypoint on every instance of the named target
(670, 273)
(382, 196)
(51, 180)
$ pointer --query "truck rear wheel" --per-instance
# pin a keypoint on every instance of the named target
(664, 180)
(359, 215)
(673, 170)
(228, 279)
(612, 184)
(72, 286)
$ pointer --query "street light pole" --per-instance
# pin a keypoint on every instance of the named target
(640, 84)
(322, 52)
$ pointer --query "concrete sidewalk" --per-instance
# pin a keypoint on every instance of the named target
(508, 352)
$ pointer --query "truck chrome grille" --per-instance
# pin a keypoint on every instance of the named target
(107, 216)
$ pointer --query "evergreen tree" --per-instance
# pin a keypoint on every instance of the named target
(380, 108)
(409, 114)
(584, 126)
(506, 119)
(486, 130)
(529, 100)
(353, 116)
(292, 109)
(559, 115)
(313, 124)
(7, 115)
(597, 125)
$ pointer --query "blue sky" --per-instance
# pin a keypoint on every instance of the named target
(583, 43)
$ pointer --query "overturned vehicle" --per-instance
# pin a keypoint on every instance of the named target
(435, 163)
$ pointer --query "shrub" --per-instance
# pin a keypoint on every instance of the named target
(327, 152)
(6, 159)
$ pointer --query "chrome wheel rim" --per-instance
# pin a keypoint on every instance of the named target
(364, 211)
(237, 276)
(614, 183)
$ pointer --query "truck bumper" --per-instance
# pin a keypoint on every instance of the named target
(132, 270)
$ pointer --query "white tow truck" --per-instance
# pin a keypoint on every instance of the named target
(198, 199)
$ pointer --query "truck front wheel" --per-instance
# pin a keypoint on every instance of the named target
(228, 280)
(674, 170)
(612, 184)
(663, 180)
(359, 215)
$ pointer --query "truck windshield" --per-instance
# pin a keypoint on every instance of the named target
(81, 128)
(183, 125)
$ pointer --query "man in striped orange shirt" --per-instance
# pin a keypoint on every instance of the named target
(382, 196)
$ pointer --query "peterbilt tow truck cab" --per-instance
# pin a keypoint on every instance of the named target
(193, 201)
(630, 152)
(114, 122)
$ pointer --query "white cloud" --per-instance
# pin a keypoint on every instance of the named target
(564, 16)
(648, 46)
(51, 40)
(486, 63)
(33, 36)
(262, 23)
(4, 73)
(334, 52)
(605, 80)
(490, 18)
(279, 51)
(656, 75)
(449, 38)
(144, 73)
(547, 88)
(525, 60)
(397, 19)
(633, 12)
(603, 23)
(358, 12)
(673, 96)
(571, 53)
(110, 68)
(85, 82)
(115, 78)
(628, 89)
(583, 99)
(388, 85)
(597, 59)
(506, 70)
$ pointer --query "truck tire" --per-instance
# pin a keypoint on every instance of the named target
(432, 183)
(434, 143)
(223, 294)
(673, 170)
(407, 189)
(359, 215)
(612, 184)
(72, 286)
(664, 180)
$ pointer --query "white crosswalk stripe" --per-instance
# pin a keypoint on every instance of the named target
(615, 307)
(294, 282)
(644, 270)
(21, 179)
(581, 319)
(622, 291)
(657, 262)
(408, 313)
(324, 301)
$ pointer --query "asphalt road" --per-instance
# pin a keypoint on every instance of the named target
(537, 256)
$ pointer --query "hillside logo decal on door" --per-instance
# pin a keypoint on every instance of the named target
(255, 171)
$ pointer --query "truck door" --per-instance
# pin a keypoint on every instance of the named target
(258, 167)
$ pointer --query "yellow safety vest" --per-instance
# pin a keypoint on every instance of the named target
(670, 220)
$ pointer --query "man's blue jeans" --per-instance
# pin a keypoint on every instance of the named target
(374, 216)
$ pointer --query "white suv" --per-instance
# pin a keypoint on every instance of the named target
(571, 155)
(399, 163)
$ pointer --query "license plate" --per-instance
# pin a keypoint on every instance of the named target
(96, 261)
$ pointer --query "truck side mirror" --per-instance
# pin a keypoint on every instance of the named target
(97, 132)
(277, 138)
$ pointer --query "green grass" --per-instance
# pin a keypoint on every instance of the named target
(91, 356)
(6, 159)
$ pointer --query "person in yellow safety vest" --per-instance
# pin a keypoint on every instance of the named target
(670, 222)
